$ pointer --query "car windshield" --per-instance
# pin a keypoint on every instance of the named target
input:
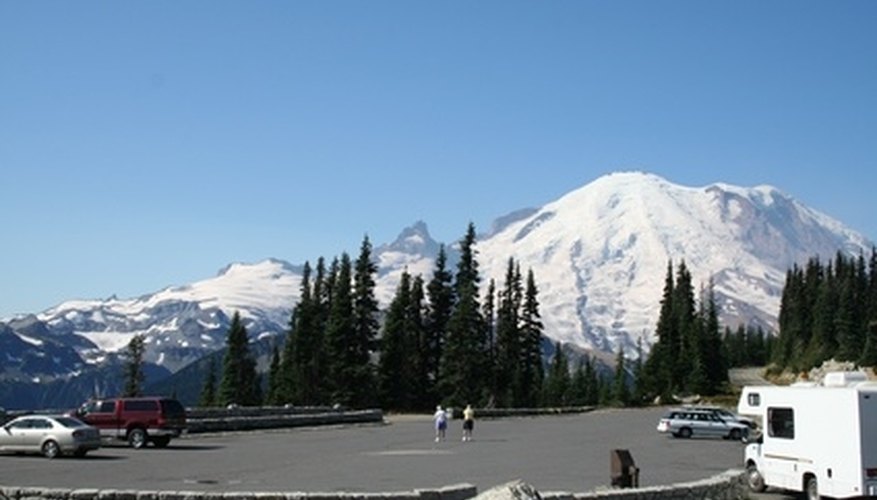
(69, 422)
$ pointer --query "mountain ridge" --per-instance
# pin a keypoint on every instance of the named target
(599, 254)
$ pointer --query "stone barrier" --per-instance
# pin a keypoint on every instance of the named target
(454, 492)
(259, 419)
(730, 485)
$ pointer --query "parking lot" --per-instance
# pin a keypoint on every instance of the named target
(553, 453)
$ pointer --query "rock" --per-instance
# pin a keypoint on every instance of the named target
(514, 490)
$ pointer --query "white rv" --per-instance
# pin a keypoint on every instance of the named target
(819, 438)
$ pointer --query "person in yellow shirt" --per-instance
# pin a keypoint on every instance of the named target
(468, 423)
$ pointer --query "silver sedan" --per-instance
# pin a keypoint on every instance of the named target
(49, 435)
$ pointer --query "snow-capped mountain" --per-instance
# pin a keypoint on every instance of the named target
(599, 254)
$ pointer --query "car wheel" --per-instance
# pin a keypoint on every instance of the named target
(51, 449)
(754, 479)
(735, 434)
(685, 432)
(137, 438)
(812, 488)
(161, 442)
(79, 453)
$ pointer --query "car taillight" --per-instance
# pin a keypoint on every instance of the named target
(871, 472)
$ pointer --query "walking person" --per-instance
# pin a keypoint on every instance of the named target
(468, 423)
(441, 423)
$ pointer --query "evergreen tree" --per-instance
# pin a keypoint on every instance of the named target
(657, 376)
(463, 377)
(239, 384)
(440, 305)
(578, 391)
(208, 390)
(395, 371)
(849, 344)
(529, 383)
(508, 338)
(416, 326)
(558, 382)
(638, 394)
(687, 328)
(714, 358)
(365, 311)
(869, 353)
(592, 383)
(274, 379)
(489, 314)
(341, 341)
(620, 390)
(134, 375)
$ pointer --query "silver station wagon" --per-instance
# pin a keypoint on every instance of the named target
(686, 423)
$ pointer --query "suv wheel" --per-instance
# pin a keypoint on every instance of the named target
(685, 432)
(137, 438)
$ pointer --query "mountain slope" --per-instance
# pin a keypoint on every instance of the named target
(599, 254)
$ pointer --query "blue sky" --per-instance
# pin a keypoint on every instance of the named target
(147, 144)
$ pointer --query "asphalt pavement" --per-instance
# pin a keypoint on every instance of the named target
(553, 453)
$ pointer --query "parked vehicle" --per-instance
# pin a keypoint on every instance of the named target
(138, 421)
(686, 423)
(820, 439)
(726, 415)
(49, 435)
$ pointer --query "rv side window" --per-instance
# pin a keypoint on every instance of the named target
(754, 399)
(781, 423)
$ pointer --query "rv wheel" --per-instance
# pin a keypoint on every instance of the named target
(812, 489)
(754, 478)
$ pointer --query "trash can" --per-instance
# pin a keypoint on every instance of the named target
(625, 473)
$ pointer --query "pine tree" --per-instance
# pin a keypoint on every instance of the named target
(463, 378)
(657, 375)
(869, 353)
(440, 294)
(341, 342)
(638, 394)
(508, 338)
(239, 384)
(713, 353)
(532, 371)
(208, 390)
(365, 314)
(578, 390)
(416, 327)
(134, 375)
(620, 390)
(273, 397)
(686, 326)
(395, 371)
(557, 384)
(489, 313)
